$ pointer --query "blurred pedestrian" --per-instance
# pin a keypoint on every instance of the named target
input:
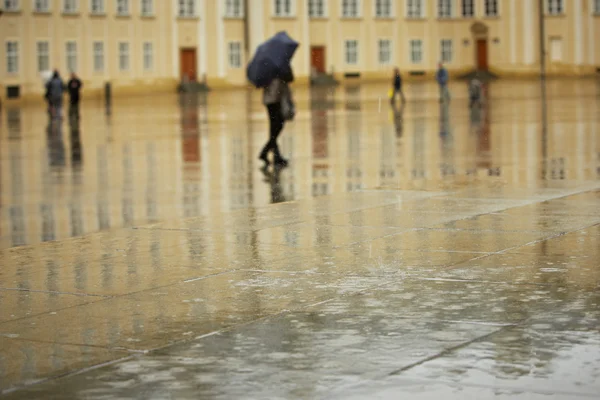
(74, 87)
(277, 97)
(442, 79)
(54, 93)
(397, 87)
(475, 92)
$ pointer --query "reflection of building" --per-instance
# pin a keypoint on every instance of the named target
(158, 43)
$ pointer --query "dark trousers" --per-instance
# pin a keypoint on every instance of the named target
(275, 127)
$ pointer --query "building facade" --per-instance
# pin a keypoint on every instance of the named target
(141, 45)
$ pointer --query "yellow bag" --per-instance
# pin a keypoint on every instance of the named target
(390, 93)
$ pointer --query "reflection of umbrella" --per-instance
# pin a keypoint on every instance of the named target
(272, 60)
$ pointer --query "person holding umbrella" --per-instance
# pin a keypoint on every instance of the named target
(271, 70)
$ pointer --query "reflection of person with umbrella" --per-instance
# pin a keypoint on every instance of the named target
(270, 69)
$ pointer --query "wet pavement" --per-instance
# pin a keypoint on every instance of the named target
(422, 252)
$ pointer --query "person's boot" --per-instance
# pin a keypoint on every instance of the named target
(280, 161)
(264, 157)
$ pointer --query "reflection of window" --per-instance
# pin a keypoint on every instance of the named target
(350, 8)
(11, 5)
(446, 50)
(491, 8)
(444, 8)
(555, 7)
(70, 6)
(148, 56)
(385, 51)
(122, 7)
(43, 56)
(468, 8)
(147, 7)
(234, 9)
(12, 57)
(351, 47)
(316, 8)
(71, 52)
(124, 56)
(235, 54)
(414, 8)
(416, 51)
(383, 8)
(98, 48)
(187, 8)
(283, 8)
(97, 6)
(41, 6)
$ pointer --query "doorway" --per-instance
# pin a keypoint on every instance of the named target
(187, 58)
(317, 59)
(482, 54)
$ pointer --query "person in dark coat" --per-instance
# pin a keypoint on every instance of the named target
(74, 87)
(397, 87)
(54, 93)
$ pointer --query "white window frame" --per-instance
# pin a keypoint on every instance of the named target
(412, 6)
(472, 8)
(411, 52)
(14, 55)
(284, 8)
(187, 8)
(148, 56)
(101, 9)
(347, 58)
(486, 7)
(235, 60)
(355, 6)
(41, 6)
(443, 51)
(38, 55)
(234, 8)
(11, 5)
(96, 56)
(123, 8)
(390, 7)
(445, 9)
(70, 6)
(313, 6)
(124, 57)
(390, 54)
(71, 56)
(147, 8)
(551, 6)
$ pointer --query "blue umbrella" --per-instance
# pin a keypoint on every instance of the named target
(272, 60)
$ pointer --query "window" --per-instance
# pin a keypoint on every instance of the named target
(124, 56)
(234, 8)
(385, 52)
(41, 6)
(468, 8)
(11, 5)
(235, 54)
(351, 47)
(350, 8)
(414, 8)
(444, 8)
(491, 8)
(147, 7)
(446, 50)
(383, 8)
(555, 7)
(71, 52)
(187, 8)
(596, 6)
(70, 6)
(122, 7)
(43, 56)
(283, 8)
(12, 57)
(98, 56)
(97, 6)
(416, 51)
(148, 56)
(316, 8)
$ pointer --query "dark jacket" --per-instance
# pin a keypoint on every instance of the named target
(74, 87)
(397, 81)
(54, 90)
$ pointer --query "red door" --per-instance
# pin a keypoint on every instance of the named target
(188, 64)
(317, 58)
(482, 55)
